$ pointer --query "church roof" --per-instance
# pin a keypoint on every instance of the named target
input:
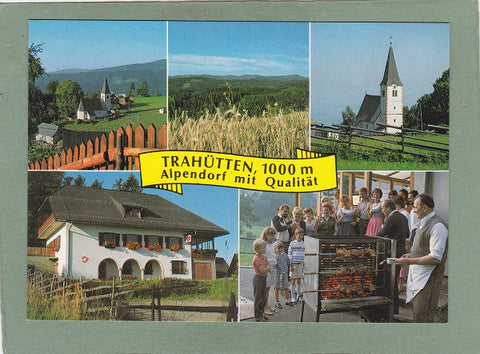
(368, 108)
(105, 88)
(47, 129)
(390, 76)
(90, 105)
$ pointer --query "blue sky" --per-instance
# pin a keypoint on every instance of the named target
(215, 204)
(97, 44)
(348, 60)
(238, 48)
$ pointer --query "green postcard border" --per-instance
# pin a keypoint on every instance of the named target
(459, 335)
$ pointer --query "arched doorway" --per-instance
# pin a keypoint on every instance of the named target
(107, 268)
(153, 269)
(131, 269)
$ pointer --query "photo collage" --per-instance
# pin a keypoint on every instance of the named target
(105, 245)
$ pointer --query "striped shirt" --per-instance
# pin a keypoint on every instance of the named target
(296, 251)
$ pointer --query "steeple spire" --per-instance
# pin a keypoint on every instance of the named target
(105, 88)
(390, 77)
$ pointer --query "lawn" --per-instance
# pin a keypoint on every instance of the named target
(144, 110)
(377, 158)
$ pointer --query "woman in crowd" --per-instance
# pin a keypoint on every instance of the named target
(309, 221)
(346, 219)
(296, 222)
(325, 223)
(375, 213)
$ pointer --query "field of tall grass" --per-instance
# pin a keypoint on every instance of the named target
(273, 134)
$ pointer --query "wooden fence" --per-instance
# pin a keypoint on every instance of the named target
(344, 134)
(113, 151)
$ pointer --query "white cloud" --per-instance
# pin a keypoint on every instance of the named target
(202, 64)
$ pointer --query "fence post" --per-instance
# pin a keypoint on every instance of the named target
(119, 159)
(403, 140)
(349, 136)
(153, 301)
(112, 301)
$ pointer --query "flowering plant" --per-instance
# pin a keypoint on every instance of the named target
(135, 245)
(175, 247)
(109, 244)
(154, 247)
(56, 248)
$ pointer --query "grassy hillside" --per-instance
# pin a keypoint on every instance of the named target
(144, 110)
(377, 158)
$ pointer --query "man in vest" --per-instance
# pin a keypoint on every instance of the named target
(426, 259)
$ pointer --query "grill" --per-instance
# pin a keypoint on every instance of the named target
(350, 273)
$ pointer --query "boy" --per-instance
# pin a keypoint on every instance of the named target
(260, 269)
(296, 253)
(281, 276)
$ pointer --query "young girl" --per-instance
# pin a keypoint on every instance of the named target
(375, 213)
(346, 218)
(296, 253)
(268, 235)
(281, 277)
(260, 270)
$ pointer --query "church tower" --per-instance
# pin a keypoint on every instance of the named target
(105, 96)
(391, 95)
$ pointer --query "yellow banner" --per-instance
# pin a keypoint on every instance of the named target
(309, 172)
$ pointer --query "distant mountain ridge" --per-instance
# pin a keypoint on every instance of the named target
(119, 77)
(292, 77)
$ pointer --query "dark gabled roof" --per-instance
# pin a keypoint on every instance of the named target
(390, 76)
(367, 109)
(105, 88)
(106, 207)
(47, 129)
(90, 105)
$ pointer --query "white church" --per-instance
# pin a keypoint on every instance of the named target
(387, 108)
(93, 109)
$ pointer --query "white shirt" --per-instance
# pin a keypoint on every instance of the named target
(418, 275)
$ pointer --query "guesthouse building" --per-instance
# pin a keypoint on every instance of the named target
(100, 233)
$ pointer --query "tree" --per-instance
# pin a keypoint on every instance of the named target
(96, 184)
(432, 108)
(40, 186)
(93, 94)
(156, 93)
(130, 185)
(67, 96)
(348, 116)
(79, 181)
(132, 87)
(247, 213)
(37, 107)
(67, 181)
(142, 89)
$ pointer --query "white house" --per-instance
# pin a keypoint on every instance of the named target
(99, 233)
(387, 108)
(93, 109)
(48, 133)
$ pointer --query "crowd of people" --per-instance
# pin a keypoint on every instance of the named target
(280, 251)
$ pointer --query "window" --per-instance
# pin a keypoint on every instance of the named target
(150, 239)
(108, 238)
(179, 267)
(172, 240)
(394, 93)
(133, 211)
(130, 238)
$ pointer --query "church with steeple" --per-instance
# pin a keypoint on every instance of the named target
(386, 108)
(93, 109)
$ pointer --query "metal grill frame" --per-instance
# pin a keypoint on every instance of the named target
(383, 297)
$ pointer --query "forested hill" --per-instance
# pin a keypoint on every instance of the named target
(253, 93)
(119, 78)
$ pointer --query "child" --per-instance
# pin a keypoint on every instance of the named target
(281, 276)
(268, 235)
(260, 269)
(296, 253)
